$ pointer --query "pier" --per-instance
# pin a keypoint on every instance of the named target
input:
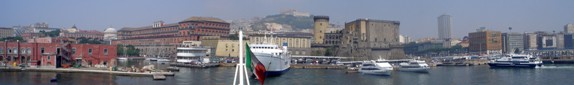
(73, 70)
(316, 66)
(195, 65)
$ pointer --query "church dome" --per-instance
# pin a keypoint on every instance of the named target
(110, 30)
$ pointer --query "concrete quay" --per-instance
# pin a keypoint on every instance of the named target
(75, 70)
(316, 66)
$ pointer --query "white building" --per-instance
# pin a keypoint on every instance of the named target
(569, 28)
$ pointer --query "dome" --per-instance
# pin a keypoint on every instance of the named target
(110, 30)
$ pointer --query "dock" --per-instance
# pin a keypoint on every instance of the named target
(227, 64)
(75, 70)
(316, 66)
(195, 65)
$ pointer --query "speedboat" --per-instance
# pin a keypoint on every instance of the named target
(151, 59)
(414, 66)
(122, 58)
(378, 67)
(163, 60)
(516, 60)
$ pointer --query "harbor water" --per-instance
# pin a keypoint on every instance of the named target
(448, 75)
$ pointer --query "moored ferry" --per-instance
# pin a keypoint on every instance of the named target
(516, 60)
(275, 59)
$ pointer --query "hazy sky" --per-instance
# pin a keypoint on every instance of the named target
(418, 17)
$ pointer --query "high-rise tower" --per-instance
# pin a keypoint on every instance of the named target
(444, 26)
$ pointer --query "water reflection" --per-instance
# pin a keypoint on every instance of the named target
(475, 75)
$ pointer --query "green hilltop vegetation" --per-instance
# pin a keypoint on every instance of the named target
(296, 22)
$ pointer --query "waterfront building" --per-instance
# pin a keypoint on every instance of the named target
(6, 32)
(166, 37)
(444, 27)
(569, 28)
(448, 43)
(405, 39)
(321, 23)
(370, 39)
(227, 48)
(546, 41)
(568, 41)
(44, 53)
(559, 40)
(75, 33)
(333, 38)
(512, 42)
(530, 41)
(298, 43)
(486, 41)
(110, 34)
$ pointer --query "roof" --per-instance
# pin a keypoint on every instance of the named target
(5, 28)
(210, 19)
(287, 34)
(147, 27)
(376, 20)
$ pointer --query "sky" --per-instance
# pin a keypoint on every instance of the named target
(418, 18)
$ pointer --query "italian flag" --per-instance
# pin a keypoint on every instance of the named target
(253, 64)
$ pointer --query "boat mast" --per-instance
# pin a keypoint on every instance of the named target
(240, 69)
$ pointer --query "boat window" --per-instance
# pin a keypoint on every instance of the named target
(381, 61)
(368, 65)
(369, 68)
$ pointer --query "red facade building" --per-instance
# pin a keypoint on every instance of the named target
(165, 37)
(44, 54)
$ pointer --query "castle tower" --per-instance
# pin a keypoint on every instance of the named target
(321, 24)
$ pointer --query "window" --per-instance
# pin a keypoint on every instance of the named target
(28, 51)
(73, 50)
(90, 51)
(57, 50)
(41, 50)
(106, 51)
(1, 50)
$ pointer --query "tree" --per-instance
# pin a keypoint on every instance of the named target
(83, 40)
(120, 49)
(14, 39)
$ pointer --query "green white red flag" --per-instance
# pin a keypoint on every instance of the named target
(253, 64)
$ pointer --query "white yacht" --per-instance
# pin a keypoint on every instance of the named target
(151, 59)
(122, 59)
(516, 60)
(378, 67)
(163, 60)
(414, 66)
(191, 55)
(275, 59)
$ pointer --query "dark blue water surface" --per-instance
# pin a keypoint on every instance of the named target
(472, 75)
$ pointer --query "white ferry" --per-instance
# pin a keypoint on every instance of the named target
(516, 60)
(414, 66)
(275, 59)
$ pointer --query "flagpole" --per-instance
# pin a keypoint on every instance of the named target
(240, 69)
